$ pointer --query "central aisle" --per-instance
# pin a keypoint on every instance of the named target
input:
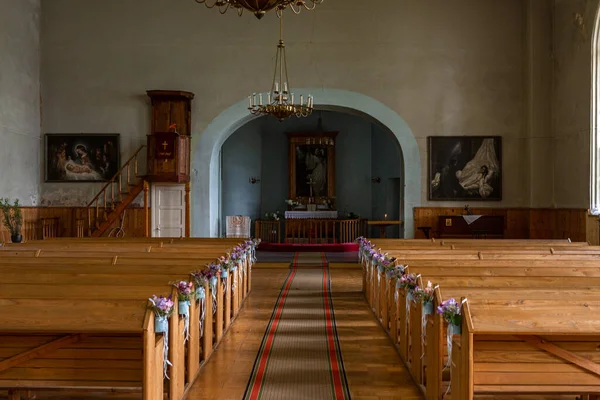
(373, 368)
(299, 356)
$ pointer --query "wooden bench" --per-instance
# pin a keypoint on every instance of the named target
(526, 347)
(83, 344)
(519, 271)
(82, 282)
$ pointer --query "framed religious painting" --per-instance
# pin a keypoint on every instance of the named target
(465, 168)
(81, 157)
(312, 167)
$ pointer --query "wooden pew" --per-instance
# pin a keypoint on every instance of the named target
(100, 276)
(85, 344)
(499, 255)
(513, 347)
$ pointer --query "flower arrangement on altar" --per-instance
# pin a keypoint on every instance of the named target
(275, 216)
(450, 311)
(293, 203)
(352, 215)
(329, 202)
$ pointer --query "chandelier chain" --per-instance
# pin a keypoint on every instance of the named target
(280, 100)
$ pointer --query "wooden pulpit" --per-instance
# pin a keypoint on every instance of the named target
(169, 142)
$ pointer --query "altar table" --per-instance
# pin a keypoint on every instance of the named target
(311, 214)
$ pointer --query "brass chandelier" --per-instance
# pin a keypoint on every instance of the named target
(260, 7)
(279, 101)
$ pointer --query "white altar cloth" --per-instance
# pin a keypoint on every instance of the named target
(469, 219)
(311, 214)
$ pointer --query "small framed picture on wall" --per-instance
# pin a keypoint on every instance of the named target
(81, 157)
(465, 168)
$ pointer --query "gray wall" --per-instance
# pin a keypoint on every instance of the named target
(515, 68)
(260, 149)
(20, 100)
(448, 68)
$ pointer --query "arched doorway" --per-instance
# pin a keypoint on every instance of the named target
(206, 148)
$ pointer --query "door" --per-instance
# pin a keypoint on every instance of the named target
(168, 210)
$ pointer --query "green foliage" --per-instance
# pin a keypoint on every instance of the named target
(13, 217)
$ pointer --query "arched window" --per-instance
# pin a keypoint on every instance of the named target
(595, 120)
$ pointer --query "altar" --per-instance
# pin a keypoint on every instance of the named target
(324, 214)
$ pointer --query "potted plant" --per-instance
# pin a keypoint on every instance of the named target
(162, 307)
(13, 219)
(408, 282)
(185, 292)
(425, 296)
(450, 311)
(200, 280)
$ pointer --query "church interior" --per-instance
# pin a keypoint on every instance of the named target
(300, 199)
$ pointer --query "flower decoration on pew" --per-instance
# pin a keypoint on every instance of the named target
(163, 308)
(425, 296)
(200, 280)
(225, 264)
(450, 311)
(395, 271)
(185, 292)
(408, 282)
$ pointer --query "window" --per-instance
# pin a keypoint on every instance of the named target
(595, 120)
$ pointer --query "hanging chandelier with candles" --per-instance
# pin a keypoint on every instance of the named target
(279, 102)
(260, 7)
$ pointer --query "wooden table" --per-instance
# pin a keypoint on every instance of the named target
(383, 225)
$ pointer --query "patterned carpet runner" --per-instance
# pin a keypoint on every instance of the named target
(300, 356)
(309, 260)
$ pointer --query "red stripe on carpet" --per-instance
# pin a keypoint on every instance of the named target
(335, 368)
(262, 366)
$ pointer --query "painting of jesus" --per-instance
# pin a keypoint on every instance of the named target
(312, 166)
(311, 171)
(81, 158)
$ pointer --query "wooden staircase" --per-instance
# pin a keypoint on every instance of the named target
(116, 195)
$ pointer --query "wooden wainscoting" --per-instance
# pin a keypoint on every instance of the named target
(67, 222)
(522, 223)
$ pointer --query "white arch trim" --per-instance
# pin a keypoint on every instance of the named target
(206, 149)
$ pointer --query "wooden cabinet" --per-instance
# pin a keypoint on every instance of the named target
(169, 141)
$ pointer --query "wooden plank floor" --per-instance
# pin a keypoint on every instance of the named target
(373, 367)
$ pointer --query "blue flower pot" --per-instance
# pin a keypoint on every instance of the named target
(233, 269)
(410, 296)
(456, 329)
(380, 269)
(213, 281)
(184, 307)
(428, 308)
(200, 293)
(224, 274)
(398, 284)
(161, 324)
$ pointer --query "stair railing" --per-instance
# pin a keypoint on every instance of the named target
(102, 198)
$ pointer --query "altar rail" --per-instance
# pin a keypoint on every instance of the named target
(310, 231)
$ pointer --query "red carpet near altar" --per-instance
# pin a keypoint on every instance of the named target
(326, 248)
